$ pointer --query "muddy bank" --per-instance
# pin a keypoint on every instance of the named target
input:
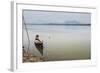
(28, 57)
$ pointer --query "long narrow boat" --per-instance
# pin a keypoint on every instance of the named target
(39, 46)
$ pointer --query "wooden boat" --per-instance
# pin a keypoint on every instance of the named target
(39, 46)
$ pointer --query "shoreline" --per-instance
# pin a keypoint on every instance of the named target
(28, 57)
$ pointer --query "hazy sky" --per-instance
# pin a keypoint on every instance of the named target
(41, 17)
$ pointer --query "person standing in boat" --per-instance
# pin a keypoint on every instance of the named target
(38, 44)
(37, 39)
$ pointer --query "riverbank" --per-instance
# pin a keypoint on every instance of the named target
(28, 57)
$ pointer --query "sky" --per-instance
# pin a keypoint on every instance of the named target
(45, 17)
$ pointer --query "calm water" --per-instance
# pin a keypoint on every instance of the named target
(61, 42)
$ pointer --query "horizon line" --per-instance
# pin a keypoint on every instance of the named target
(58, 24)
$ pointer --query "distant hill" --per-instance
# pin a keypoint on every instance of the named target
(69, 23)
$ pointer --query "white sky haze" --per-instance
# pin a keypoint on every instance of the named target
(40, 17)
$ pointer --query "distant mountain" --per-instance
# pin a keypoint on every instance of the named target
(65, 23)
